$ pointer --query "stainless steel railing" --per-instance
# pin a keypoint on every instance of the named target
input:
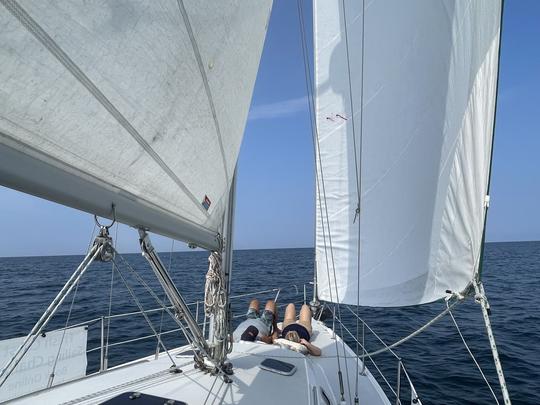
(105, 321)
(400, 366)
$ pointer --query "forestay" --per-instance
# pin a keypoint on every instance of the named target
(423, 82)
(137, 104)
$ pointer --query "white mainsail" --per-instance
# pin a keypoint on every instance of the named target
(423, 82)
(135, 104)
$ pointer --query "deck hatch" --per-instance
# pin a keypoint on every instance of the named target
(133, 398)
(278, 366)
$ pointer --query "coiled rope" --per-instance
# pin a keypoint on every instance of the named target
(214, 292)
(215, 298)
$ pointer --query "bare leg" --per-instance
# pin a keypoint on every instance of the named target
(290, 315)
(254, 304)
(305, 317)
(270, 306)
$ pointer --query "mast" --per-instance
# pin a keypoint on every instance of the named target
(218, 286)
(228, 232)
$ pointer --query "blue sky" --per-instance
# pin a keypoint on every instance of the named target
(275, 193)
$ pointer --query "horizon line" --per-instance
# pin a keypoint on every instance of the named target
(198, 250)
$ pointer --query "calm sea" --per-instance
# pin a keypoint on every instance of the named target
(436, 360)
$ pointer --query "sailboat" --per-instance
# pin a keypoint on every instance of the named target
(135, 111)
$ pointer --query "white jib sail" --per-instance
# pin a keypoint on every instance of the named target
(423, 129)
(141, 104)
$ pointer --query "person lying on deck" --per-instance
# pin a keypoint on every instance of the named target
(257, 326)
(299, 331)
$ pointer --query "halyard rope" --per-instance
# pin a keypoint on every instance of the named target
(214, 293)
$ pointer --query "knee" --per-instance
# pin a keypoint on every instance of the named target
(254, 303)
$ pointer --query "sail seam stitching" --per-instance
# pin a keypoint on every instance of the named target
(204, 78)
(45, 39)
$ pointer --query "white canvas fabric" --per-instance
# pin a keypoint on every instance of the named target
(423, 130)
(63, 351)
(141, 104)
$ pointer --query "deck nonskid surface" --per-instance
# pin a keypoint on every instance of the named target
(250, 384)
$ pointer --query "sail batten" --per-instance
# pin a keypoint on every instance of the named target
(429, 73)
(139, 101)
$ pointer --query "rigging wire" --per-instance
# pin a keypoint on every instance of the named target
(154, 295)
(314, 130)
(106, 354)
(52, 375)
(139, 305)
(92, 236)
(357, 166)
(190, 339)
(472, 355)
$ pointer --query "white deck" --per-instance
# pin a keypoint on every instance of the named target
(251, 385)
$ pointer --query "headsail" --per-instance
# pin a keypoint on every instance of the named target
(425, 73)
(137, 104)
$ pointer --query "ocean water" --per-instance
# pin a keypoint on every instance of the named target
(437, 361)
